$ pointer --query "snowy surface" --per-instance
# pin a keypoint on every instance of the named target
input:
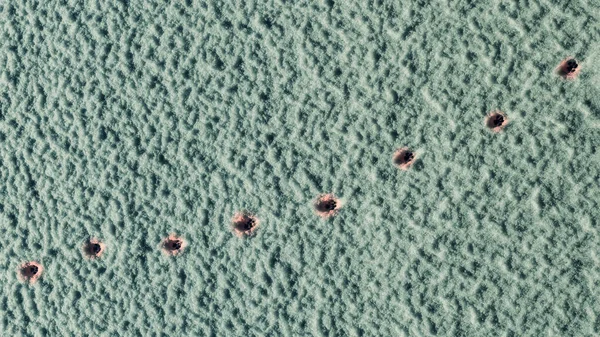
(128, 121)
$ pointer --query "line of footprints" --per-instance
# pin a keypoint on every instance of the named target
(327, 205)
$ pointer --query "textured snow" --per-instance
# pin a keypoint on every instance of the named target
(129, 121)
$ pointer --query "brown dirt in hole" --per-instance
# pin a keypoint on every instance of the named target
(496, 120)
(30, 271)
(327, 205)
(173, 245)
(93, 249)
(244, 224)
(568, 68)
(404, 158)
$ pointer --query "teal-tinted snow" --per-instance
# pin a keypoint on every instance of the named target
(131, 120)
